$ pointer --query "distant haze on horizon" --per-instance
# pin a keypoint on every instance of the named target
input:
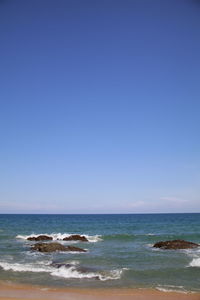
(99, 106)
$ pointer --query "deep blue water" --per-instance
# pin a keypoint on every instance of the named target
(120, 252)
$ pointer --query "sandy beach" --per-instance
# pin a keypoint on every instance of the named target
(10, 291)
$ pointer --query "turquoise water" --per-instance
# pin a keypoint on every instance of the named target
(120, 252)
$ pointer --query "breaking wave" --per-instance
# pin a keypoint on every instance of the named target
(195, 262)
(150, 234)
(171, 288)
(61, 236)
(195, 255)
(73, 272)
(68, 271)
(19, 267)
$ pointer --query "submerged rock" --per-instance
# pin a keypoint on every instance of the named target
(76, 237)
(175, 244)
(40, 238)
(52, 247)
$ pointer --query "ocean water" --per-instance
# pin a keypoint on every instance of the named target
(120, 252)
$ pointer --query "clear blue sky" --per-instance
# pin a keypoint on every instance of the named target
(99, 106)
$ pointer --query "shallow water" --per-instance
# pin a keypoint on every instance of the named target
(119, 253)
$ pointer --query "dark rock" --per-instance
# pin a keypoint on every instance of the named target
(76, 237)
(52, 247)
(40, 238)
(175, 244)
(75, 249)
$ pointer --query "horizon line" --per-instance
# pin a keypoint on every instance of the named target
(150, 213)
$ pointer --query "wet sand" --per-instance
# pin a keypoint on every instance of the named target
(10, 291)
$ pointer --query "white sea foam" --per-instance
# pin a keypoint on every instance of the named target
(149, 245)
(145, 234)
(73, 252)
(195, 262)
(19, 267)
(71, 271)
(162, 289)
(171, 288)
(195, 255)
(195, 252)
(114, 274)
(61, 236)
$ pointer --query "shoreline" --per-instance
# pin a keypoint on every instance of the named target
(15, 291)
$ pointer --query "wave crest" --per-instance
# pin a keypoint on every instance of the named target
(195, 262)
(17, 267)
(171, 288)
(70, 271)
(61, 236)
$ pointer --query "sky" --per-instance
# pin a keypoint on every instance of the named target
(99, 106)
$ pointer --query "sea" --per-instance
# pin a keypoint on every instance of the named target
(120, 251)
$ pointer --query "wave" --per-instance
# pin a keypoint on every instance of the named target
(18, 267)
(68, 271)
(61, 236)
(151, 246)
(195, 262)
(195, 255)
(73, 272)
(150, 234)
(195, 252)
(171, 288)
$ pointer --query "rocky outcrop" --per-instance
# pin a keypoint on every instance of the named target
(40, 238)
(73, 237)
(52, 247)
(76, 237)
(175, 244)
